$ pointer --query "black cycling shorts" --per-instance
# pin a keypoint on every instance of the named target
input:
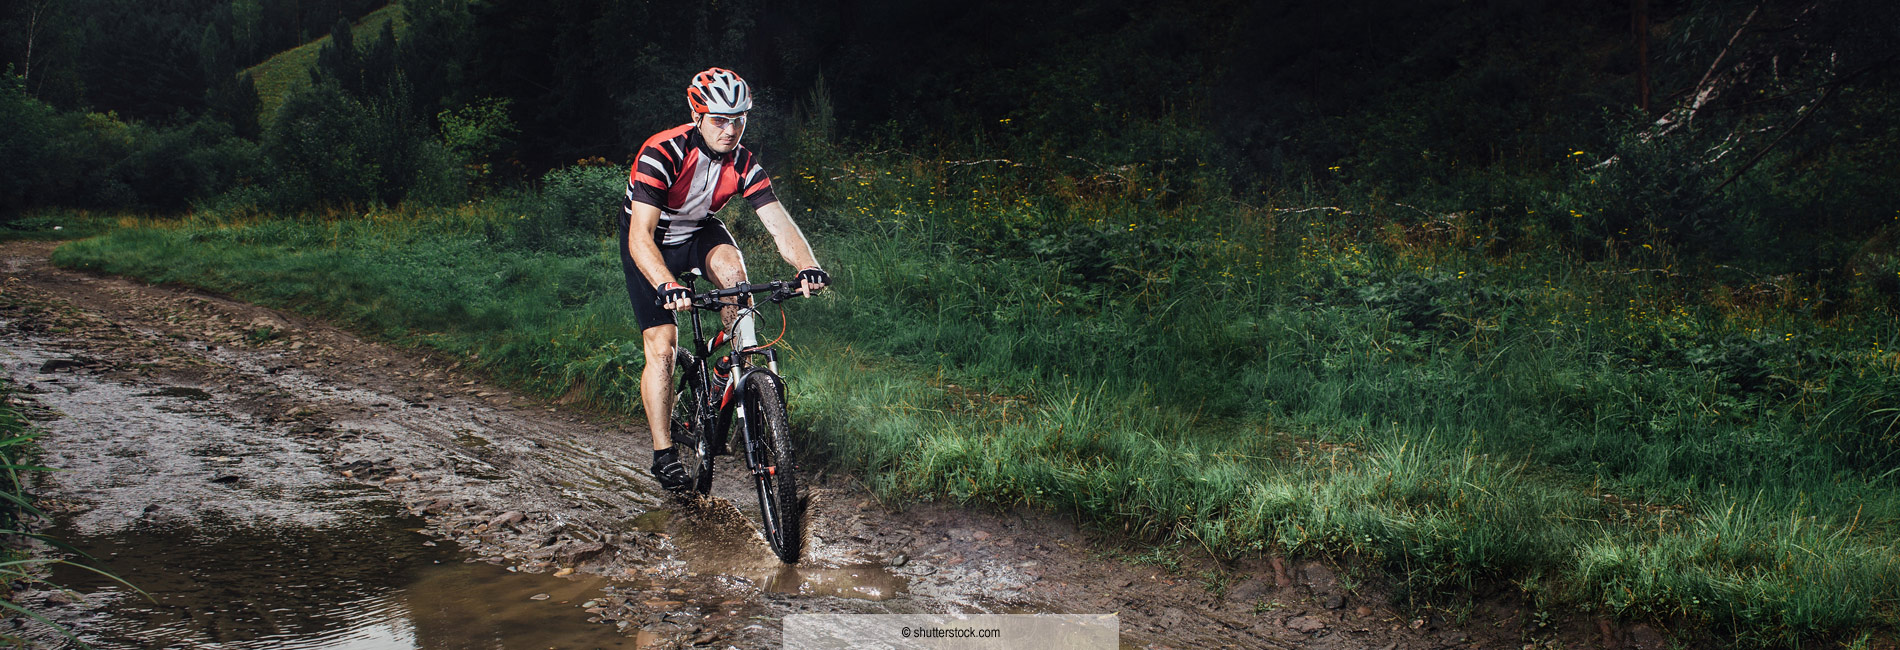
(679, 259)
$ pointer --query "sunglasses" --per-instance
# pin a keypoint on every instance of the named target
(721, 122)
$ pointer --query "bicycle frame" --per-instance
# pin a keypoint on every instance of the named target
(731, 408)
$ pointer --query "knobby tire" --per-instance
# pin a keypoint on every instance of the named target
(778, 489)
(689, 432)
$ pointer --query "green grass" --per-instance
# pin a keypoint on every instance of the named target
(289, 70)
(57, 225)
(1460, 401)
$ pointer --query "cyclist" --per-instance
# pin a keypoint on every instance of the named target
(681, 177)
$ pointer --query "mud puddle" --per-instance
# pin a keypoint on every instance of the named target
(368, 584)
(708, 535)
(240, 538)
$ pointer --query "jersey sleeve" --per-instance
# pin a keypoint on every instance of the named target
(652, 173)
(755, 185)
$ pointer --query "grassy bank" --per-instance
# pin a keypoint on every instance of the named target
(1456, 397)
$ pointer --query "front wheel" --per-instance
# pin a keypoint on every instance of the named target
(776, 475)
(694, 445)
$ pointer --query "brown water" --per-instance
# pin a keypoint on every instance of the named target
(716, 536)
(243, 539)
(371, 583)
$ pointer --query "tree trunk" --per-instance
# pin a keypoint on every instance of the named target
(35, 23)
(1639, 22)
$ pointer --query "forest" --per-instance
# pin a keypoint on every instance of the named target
(1593, 299)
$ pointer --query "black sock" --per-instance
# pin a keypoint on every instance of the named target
(663, 456)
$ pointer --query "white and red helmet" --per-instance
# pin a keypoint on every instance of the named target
(718, 90)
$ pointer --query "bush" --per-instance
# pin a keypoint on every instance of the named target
(327, 148)
(574, 208)
(166, 169)
(100, 161)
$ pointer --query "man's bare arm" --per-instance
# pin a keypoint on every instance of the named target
(791, 242)
(646, 252)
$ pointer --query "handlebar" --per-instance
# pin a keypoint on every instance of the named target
(780, 290)
(712, 300)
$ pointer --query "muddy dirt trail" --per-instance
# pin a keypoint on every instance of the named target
(174, 410)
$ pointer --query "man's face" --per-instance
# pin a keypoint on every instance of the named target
(721, 131)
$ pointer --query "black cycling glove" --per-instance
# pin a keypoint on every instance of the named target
(672, 291)
(814, 275)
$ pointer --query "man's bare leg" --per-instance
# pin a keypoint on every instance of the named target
(727, 268)
(656, 382)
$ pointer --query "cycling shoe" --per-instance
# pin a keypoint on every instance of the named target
(671, 474)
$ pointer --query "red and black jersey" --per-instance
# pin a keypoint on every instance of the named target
(688, 183)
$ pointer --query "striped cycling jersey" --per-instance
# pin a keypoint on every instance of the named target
(688, 183)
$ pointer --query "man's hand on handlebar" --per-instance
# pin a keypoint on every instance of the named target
(812, 280)
(676, 297)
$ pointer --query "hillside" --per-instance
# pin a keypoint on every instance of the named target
(289, 70)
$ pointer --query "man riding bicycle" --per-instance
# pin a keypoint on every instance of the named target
(683, 176)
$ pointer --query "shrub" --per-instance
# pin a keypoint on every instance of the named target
(327, 148)
(574, 208)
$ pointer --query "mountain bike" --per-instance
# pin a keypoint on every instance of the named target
(743, 386)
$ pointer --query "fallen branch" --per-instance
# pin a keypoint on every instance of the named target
(965, 163)
(1100, 169)
(1832, 86)
(1420, 211)
(1812, 108)
(1300, 210)
(1706, 88)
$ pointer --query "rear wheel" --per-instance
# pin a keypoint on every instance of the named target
(776, 476)
(694, 446)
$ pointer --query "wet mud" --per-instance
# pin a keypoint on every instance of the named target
(235, 454)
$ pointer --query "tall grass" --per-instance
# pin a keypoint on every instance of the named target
(1457, 398)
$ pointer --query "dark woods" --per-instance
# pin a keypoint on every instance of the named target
(1725, 130)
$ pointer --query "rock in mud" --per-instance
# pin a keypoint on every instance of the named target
(506, 518)
(1644, 637)
(1250, 590)
(1318, 575)
(55, 365)
(1305, 624)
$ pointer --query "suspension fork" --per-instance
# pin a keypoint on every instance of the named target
(742, 376)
